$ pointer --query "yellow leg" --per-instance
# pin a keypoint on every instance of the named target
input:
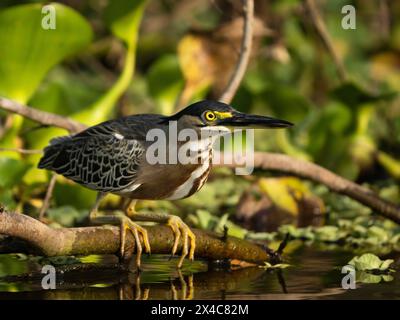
(131, 213)
(125, 224)
(128, 224)
(179, 228)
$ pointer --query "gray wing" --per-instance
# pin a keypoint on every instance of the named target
(101, 158)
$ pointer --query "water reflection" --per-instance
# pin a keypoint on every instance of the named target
(313, 274)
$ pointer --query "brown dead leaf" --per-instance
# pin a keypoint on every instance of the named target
(208, 58)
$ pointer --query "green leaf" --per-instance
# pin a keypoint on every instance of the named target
(66, 215)
(386, 264)
(11, 172)
(369, 261)
(165, 82)
(391, 164)
(352, 94)
(119, 14)
(328, 233)
(29, 51)
(123, 17)
(366, 277)
(205, 219)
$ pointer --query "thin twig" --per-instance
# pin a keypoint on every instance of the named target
(326, 38)
(20, 150)
(47, 198)
(42, 117)
(241, 66)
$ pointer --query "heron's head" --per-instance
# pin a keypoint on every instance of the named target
(214, 115)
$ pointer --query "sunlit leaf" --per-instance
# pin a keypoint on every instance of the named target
(29, 51)
(370, 261)
(165, 83)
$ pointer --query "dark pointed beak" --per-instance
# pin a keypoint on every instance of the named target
(244, 120)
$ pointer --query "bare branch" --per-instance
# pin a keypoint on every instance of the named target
(106, 240)
(42, 117)
(326, 39)
(240, 69)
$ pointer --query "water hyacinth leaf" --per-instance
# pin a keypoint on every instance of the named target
(328, 233)
(123, 18)
(366, 277)
(297, 233)
(369, 261)
(386, 264)
(29, 50)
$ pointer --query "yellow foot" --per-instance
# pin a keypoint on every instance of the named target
(180, 229)
(128, 224)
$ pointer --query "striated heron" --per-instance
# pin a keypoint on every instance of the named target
(112, 157)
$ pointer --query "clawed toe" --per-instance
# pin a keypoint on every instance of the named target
(181, 230)
(128, 224)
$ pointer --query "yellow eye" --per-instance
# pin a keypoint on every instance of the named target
(210, 116)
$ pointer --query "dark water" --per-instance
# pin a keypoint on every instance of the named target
(313, 274)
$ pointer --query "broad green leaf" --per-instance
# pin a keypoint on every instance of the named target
(386, 264)
(297, 233)
(66, 215)
(29, 51)
(366, 277)
(123, 18)
(11, 172)
(120, 15)
(165, 82)
(205, 219)
(369, 261)
(66, 194)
